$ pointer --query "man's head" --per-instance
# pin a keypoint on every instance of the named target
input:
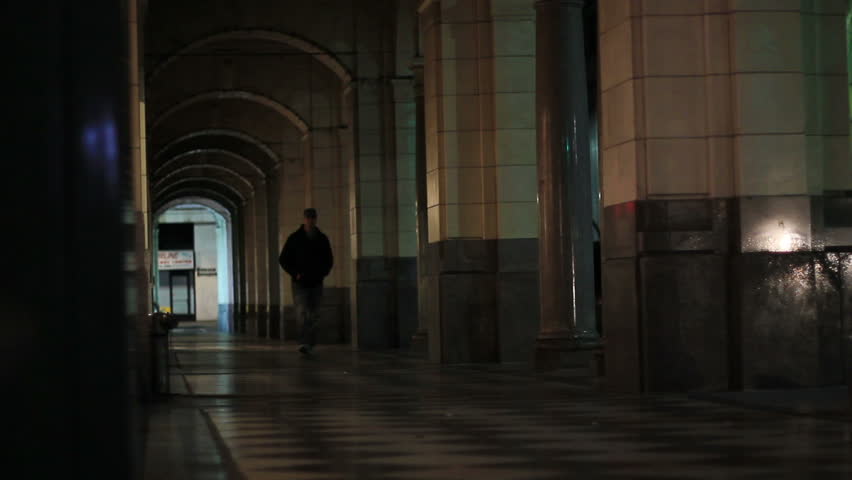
(310, 219)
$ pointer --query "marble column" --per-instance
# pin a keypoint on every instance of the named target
(566, 269)
(420, 341)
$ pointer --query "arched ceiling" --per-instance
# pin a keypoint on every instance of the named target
(184, 192)
(238, 139)
(213, 205)
(260, 42)
(227, 105)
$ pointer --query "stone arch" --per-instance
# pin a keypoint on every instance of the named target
(224, 132)
(216, 151)
(201, 194)
(204, 166)
(319, 53)
(245, 95)
(210, 203)
(230, 188)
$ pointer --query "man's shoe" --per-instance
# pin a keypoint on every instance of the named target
(304, 350)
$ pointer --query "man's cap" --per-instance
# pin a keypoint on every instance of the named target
(310, 213)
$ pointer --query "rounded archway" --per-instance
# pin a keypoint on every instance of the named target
(194, 260)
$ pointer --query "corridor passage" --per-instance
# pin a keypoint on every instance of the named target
(248, 408)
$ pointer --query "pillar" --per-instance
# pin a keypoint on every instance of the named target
(480, 283)
(78, 160)
(725, 163)
(419, 343)
(273, 195)
(368, 102)
(566, 269)
(291, 207)
(325, 186)
(261, 256)
(250, 279)
(141, 201)
(401, 188)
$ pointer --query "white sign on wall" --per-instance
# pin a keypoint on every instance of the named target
(176, 260)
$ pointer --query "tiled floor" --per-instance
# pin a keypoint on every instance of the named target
(343, 415)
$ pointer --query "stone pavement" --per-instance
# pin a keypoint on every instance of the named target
(249, 408)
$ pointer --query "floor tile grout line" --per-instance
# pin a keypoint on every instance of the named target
(231, 465)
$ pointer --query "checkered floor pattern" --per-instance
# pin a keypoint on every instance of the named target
(343, 415)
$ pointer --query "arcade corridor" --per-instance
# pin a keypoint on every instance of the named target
(537, 238)
(255, 409)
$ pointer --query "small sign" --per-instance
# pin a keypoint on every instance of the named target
(206, 272)
(176, 260)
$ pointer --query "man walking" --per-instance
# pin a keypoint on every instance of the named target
(307, 257)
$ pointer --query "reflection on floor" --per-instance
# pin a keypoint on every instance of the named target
(256, 409)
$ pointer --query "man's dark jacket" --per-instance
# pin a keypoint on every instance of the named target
(309, 257)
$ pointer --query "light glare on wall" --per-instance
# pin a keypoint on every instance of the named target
(778, 237)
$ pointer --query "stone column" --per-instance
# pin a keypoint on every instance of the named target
(82, 176)
(273, 192)
(261, 262)
(250, 278)
(419, 343)
(566, 269)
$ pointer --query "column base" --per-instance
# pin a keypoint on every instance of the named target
(565, 349)
(420, 343)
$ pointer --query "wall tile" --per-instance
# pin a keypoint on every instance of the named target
(514, 74)
(458, 40)
(408, 244)
(677, 166)
(616, 55)
(675, 107)
(461, 149)
(459, 77)
(720, 119)
(619, 181)
(371, 245)
(720, 161)
(518, 220)
(837, 164)
(830, 40)
(827, 115)
(433, 151)
(517, 184)
(371, 194)
(767, 42)
(771, 164)
(433, 187)
(436, 233)
(461, 112)
(486, 80)
(514, 38)
(512, 8)
(405, 166)
(369, 167)
(618, 116)
(515, 147)
(769, 5)
(613, 13)
(672, 7)
(514, 110)
(462, 185)
(464, 221)
(674, 45)
(457, 11)
(769, 103)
